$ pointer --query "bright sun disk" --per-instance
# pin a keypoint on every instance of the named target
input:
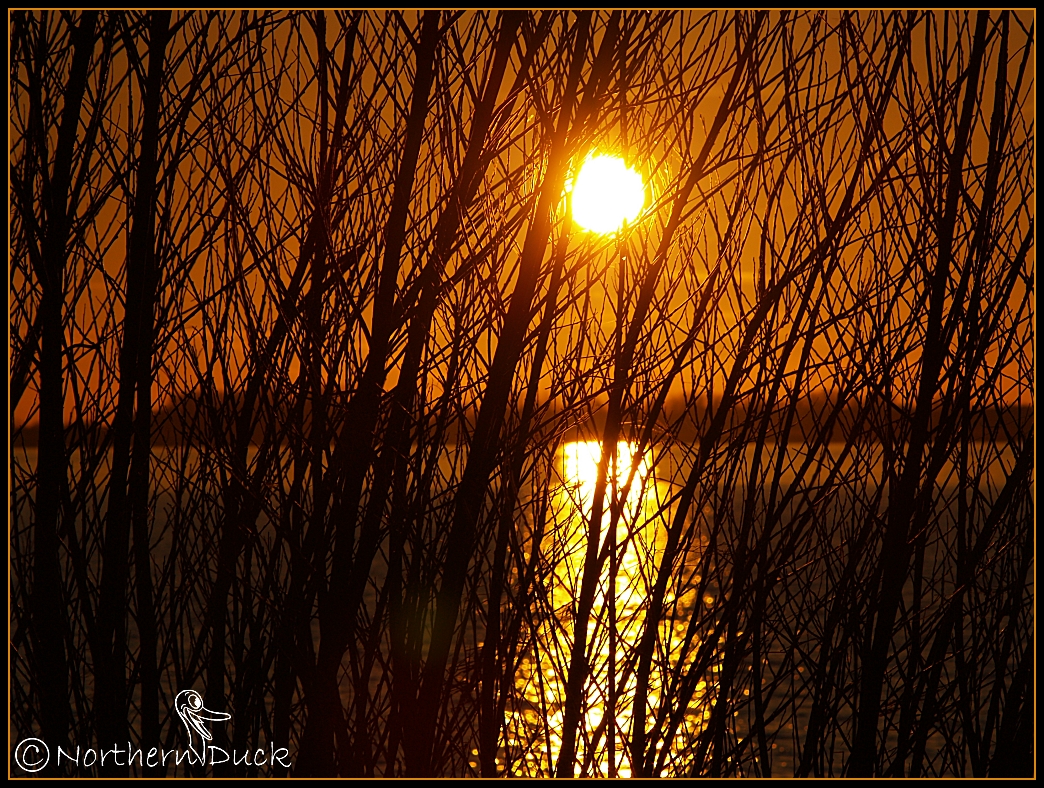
(606, 194)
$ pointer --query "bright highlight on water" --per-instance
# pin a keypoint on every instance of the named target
(536, 712)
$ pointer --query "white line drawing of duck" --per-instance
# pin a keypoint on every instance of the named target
(189, 706)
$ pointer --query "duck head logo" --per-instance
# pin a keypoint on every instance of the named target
(189, 706)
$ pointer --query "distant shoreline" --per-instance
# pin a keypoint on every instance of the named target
(171, 426)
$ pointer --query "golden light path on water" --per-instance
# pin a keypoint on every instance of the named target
(534, 729)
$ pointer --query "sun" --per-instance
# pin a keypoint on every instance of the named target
(606, 194)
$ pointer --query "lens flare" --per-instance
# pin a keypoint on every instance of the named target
(606, 194)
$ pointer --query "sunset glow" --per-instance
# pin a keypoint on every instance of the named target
(522, 393)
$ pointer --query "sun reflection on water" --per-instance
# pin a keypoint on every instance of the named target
(534, 730)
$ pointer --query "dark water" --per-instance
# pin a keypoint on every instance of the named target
(534, 716)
